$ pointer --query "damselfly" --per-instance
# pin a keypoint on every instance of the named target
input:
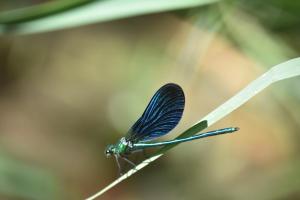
(162, 114)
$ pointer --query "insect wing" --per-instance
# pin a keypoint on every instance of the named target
(162, 114)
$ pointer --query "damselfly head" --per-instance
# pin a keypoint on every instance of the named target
(109, 150)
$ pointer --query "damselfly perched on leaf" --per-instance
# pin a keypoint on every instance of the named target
(162, 114)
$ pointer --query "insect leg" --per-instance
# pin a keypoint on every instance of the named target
(127, 160)
(119, 166)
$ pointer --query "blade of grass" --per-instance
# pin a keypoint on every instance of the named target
(100, 11)
(264, 46)
(279, 72)
(38, 11)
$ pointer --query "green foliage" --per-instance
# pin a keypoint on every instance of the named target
(39, 11)
(48, 17)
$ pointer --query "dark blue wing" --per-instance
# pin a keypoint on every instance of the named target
(162, 114)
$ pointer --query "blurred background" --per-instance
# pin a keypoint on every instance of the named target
(68, 91)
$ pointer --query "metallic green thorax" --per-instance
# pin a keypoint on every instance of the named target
(120, 148)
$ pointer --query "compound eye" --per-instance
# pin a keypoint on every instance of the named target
(107, 152)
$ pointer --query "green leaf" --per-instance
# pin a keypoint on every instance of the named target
(99, 11)
(38, 11)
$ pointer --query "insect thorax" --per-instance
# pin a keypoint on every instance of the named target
(123, 146)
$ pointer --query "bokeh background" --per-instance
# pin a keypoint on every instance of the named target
(65, 94)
